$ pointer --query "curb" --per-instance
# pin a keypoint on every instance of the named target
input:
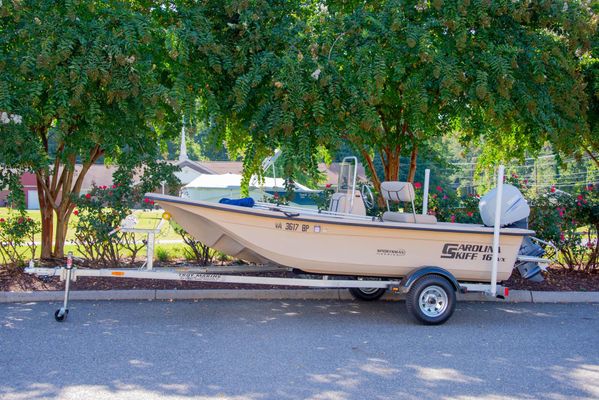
(516, 296)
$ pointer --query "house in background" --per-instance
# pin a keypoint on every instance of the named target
(29, 188)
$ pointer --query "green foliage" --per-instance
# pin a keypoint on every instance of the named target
(385, 77)
(163, 255)
(17, 240)
(571, 222)
(194, 250)
(100, 212)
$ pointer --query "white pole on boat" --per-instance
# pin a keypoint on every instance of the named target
(496, 228)
(427, 176)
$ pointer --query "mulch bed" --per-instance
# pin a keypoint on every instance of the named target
(556, 279)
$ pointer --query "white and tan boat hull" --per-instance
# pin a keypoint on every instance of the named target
(326, 245)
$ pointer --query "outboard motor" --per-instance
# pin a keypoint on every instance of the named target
(514, 214)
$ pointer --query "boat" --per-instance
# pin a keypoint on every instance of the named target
(344, 241)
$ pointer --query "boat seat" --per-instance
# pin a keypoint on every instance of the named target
(338, 203)
(403, 192)
(409, 217)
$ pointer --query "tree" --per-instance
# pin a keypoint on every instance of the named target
(589, 140)
(83, 80)
(391, 76)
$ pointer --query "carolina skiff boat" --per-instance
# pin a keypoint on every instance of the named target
(344, 241)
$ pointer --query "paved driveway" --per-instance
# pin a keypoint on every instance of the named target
(251, 350)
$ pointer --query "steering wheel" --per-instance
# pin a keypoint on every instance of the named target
(367, 196)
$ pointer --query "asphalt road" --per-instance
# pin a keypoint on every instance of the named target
(253, 350)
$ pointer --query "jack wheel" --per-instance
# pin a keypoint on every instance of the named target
(367, 294)
(60, 316)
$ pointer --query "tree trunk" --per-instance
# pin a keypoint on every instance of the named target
(390, 167)
(62, 221)
(413, 158)
(46, 211)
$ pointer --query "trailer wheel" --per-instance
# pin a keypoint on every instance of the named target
(60, 316)
(367, 294)
(431, 300)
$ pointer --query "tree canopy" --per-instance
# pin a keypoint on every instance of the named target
(84, 75)
(391, 76)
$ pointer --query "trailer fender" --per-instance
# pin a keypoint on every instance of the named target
(408, 280)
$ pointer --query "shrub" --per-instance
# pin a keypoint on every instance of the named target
(571, 222)
(194, 250)
(447, 205)
(163, 254)
(17, 239)
(100, 211)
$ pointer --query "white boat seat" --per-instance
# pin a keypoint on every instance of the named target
(397, 191)
(409, 217)
(338, 203)
(403, 192)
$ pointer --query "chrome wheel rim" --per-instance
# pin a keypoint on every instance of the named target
(433, 301)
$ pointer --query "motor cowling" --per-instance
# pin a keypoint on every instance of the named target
(514, 206)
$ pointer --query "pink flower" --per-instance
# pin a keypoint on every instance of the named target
(328, 185)
(417, 185)
(152, 202)
(478, 196)
(114, 186)
(21, 220)
(526, 181)
(452, 218)
(470, 213)
(579, 197)
(590, 245)
(110, 193)
(146, 200)
(88, 196)
(76, 212)
(445, 197)
(590, 187)
(552, 189)
(439, 189)
(514, 175)
(276, 195)
(562, 237)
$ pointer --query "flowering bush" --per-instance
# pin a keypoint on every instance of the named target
(571, 222)
(17, 239)
(100, 211)
(447, 205)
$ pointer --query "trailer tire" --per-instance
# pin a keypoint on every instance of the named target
(431, 300)
(367, 294)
